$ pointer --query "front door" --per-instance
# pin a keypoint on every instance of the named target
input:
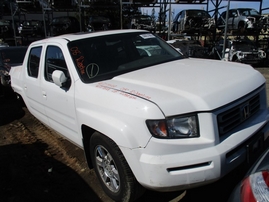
(59, 101)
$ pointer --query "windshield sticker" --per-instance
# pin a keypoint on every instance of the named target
(75, 51)
(147, 36)
(132, 94)
(79, 59)
(92, 70)
(80, 64)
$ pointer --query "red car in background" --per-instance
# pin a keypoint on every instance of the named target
(9, 56)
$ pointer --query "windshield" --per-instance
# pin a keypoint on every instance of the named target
(103, 57)
(199, 13)
(243, 45)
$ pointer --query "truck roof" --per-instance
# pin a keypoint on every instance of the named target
(82, 35)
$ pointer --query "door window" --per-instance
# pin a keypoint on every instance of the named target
(55, 61)
(33, 62)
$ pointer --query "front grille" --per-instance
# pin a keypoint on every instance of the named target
(233, 117)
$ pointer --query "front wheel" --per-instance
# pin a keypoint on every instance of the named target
(112, 170)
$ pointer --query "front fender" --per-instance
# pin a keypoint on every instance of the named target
(121, 118)
(125, 130)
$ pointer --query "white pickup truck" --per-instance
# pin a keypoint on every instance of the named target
(145, 115)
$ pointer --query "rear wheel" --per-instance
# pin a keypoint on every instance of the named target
(112, 170)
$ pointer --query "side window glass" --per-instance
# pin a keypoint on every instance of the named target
(245, 13)
(54, 61)
(33, 62)
(234, 14)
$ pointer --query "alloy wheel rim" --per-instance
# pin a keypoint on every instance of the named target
(107, 169)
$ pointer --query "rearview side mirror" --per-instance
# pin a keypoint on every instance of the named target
(59, 78)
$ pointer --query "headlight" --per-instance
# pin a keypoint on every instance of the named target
(174, 127)
(240, 55)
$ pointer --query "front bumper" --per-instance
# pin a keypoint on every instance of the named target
(183, 170)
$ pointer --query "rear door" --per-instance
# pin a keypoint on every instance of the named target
(31, 85)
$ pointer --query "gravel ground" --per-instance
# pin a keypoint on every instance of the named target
(38, 165)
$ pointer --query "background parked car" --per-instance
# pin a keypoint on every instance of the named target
(142, 22)
(5, 29)
(32, 28)
(190, 48)
(254, 186)
(241, 19)
(64, 25)
(9, 56)
(241, 50)
(97, 23)
(192, 20)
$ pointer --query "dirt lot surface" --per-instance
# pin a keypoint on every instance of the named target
(37, 165)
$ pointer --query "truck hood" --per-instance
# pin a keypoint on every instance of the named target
(189, 85)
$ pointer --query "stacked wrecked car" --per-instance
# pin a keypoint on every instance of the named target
(241, 50)
(239, 31)
(192, 20)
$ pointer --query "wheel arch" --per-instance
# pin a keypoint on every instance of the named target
(129, 188)
(87, 133)
(128, 137)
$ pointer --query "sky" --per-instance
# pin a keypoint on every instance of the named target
(175, 8)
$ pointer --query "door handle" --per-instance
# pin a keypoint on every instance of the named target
(44, 94)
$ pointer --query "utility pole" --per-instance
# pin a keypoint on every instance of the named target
(225, 32)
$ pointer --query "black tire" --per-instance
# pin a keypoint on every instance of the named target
(112, 170)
